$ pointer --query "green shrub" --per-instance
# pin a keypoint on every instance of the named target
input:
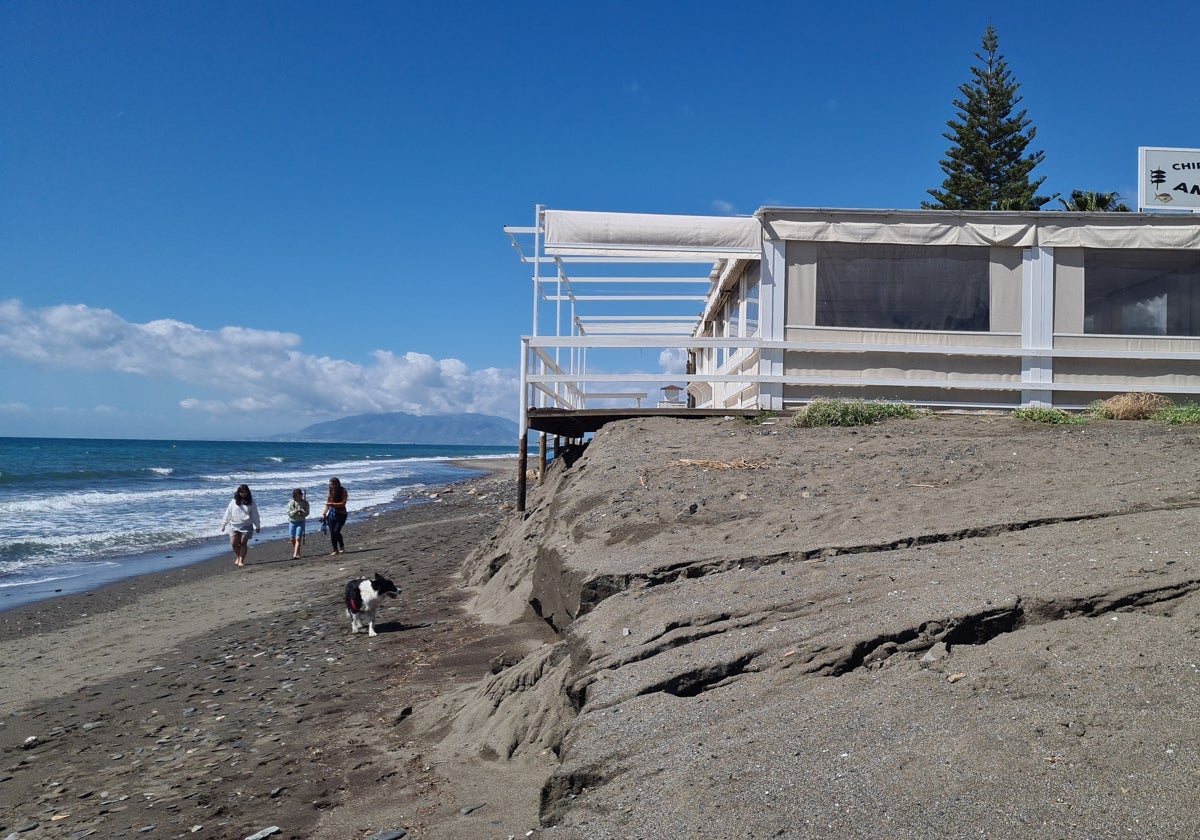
(1045, 414)
(851, 413)
(1178, 414)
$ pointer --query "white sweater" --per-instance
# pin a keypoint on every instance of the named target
(241, 517)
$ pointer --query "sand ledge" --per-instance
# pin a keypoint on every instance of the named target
(844, 632)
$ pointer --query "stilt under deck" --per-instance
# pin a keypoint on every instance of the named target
(573, 424)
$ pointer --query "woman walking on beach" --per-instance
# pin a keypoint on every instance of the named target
(335, 514)
(242, 519)
(297, 512)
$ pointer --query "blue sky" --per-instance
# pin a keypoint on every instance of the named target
(232, 219)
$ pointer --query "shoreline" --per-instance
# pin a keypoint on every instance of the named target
(116, 570)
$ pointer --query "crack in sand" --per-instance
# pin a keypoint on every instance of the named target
(601, 587)
(982, 627)
(972, 629)
(696, 681)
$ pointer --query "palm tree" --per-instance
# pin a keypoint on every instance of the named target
(1087, 201)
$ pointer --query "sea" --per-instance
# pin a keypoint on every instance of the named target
(76, 514)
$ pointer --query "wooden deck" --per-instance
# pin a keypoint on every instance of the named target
(575, 423)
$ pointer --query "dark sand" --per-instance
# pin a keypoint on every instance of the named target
(941, 628)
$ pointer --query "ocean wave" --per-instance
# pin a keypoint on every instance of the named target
(304, 475)
(61, 543)
(35, 581)
(42, 563)
(147, 503)
(101, 501)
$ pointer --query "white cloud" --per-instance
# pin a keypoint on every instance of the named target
(673, 360)
(725, 208)
(251, 371)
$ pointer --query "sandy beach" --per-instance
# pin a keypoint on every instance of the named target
(937, 628)
(209, 701)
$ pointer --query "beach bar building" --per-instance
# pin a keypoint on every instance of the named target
(944, 309)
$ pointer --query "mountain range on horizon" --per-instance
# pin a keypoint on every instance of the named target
(402, 427)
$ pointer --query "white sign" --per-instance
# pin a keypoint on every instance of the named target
(1168, 179)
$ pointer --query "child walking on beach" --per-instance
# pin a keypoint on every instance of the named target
(241, 516)
(335, 514)
(297, 512)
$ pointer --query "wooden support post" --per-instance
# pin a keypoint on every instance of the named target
(541, 457)
(522, 465)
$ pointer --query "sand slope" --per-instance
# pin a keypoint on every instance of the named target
(948, 627)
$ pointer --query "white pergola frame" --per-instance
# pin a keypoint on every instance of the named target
(583, 299)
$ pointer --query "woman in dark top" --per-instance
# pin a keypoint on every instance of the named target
(335, 514)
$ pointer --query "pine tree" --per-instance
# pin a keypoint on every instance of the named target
(986, 167)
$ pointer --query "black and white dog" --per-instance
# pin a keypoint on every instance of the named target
(362, 599)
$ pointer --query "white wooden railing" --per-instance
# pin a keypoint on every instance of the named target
(545, 384)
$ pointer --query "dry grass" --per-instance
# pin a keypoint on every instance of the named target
(1132, 406)
(741, 464)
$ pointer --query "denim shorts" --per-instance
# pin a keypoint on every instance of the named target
(296, 529)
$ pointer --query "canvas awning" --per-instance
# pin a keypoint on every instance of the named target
(1011, 230)
(591, 235)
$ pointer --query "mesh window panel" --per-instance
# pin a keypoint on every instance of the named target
(909, 287)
